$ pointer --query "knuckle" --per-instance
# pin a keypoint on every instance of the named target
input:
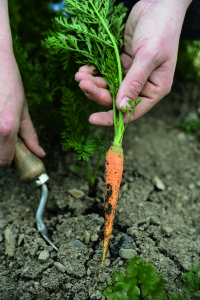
(166, 88)
(8, 126)
(135, 87)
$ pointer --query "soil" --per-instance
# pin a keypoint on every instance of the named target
(159, 208)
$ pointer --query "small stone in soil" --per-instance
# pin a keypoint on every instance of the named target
(44, 256)
(59, 267)
(78, 244)
(125, 242)
(167, 230)
(116, 261)
(198, 183)
(94, 237)
(76, 193)
(10, 242)
(154, 221)
(107, 262)
(127, 253)
(191, 186)
(21, 237)
(158, 183)
(87, 236)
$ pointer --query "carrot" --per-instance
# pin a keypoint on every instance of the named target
(114, 170)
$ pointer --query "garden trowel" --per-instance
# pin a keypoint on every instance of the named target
(32, 170)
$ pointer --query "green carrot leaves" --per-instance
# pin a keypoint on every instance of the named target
(94, 34)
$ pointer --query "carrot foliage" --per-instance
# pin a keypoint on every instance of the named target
(94, 34)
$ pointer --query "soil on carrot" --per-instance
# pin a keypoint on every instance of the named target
(159, 208)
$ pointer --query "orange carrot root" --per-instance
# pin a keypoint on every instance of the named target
(114, 170)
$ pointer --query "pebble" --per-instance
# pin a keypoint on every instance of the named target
(76, 193)
(9, 242)
(158, 183)
(120, 210)
(125, 242)
(121, 262)
(116, 261)
(191, 186)
(44, 256)
(127, 253)
(154, 221)
(68, 233)
(143, 221)
(78, 244)
(20, 239)
(198, 183)
(59, 267)
(181, 137)
(167, 230)
(94, 237)
(107, 262)
(87, 237)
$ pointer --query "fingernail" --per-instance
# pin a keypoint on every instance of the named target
(44, 153)
(86, 93)
(124, 102)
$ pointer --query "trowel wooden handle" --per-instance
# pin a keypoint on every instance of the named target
(28, 166)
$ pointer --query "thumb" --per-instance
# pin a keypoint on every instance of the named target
(133, 83)
(28, 134)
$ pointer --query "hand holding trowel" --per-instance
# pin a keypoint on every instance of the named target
(31, 169)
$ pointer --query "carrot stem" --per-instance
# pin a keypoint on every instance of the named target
(117, 115)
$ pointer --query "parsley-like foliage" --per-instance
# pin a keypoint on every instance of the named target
(94, 34)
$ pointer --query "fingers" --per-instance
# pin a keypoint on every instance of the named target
(88, 69)
(9, 127)
(99, 95)
(102, 119)
(28, 134)
(8, 136)
(148, 78)
(98, 81)
(94, 87)
(134, 81)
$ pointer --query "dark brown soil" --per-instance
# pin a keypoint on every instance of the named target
(159, 208)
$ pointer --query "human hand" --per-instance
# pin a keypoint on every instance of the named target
(149, 58)
(14, 115)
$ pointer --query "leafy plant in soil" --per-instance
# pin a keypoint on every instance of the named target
(189, 125)
(191, 286)
(141, 282)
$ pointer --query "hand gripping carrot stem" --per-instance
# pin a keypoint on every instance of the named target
(114, 170)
